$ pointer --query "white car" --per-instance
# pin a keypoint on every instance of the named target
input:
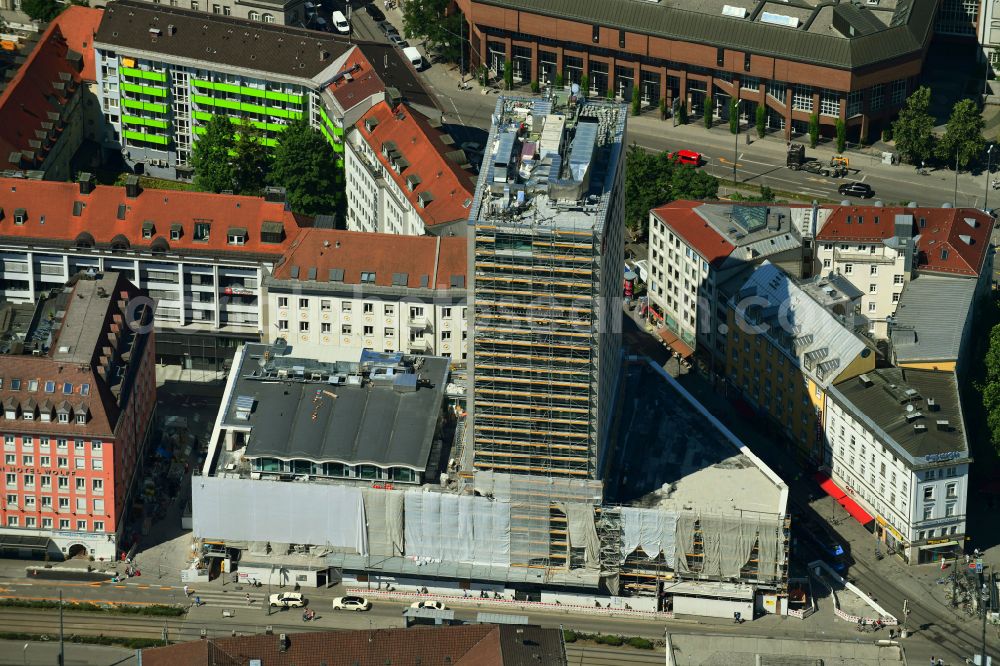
(340, 22)
(430, 604)
(287, 600)
(351, 603)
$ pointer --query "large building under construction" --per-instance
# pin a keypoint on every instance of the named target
(545, 268)
(521, 492)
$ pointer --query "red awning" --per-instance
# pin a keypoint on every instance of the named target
(828, 486)
(855, 510)
(675, 343)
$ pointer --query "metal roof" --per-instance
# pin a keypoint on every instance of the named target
(908, 31)
(931, 318)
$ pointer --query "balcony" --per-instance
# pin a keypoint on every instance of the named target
(862, 257)
(419, 322)
(420, 344)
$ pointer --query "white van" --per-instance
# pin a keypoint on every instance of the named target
(340, 23)
(413, 55)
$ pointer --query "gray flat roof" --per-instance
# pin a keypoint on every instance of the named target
(350, 424)
(884, 402)
(893, 30)
(931, 318)
(675, 455)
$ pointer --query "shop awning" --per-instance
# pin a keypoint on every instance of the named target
(24, 542)
(855, 510)
(946, 544)
(675, 343)
(828, 486)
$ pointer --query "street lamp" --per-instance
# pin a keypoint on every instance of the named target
(989, 165)
(958, 151)
(985, 606)
(267, 602)
(736, 138)
(24, 653)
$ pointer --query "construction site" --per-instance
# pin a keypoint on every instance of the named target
(560, 480)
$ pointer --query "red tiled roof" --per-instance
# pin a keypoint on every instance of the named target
(422, 146)
(460, 645)
(25, 124)
(50, 206)
(79, 24)
(964, 245)
(362, 83)
(88, 319)
(357, 252)
(682, 219)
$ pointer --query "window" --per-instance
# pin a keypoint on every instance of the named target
(97, 464)
(324, 305)
(282, 324)
(46, 502)
(227, 10)
(268, 18)
(81, 525)
(802, 98)
(28, 461)
(877, 97)
(897, 279)
(345, 306)
(368, 308)
(63, 483)
(951, 491)
(175, 231)
(827, 263)
(81, 483)
(895, 297)
(63, 503)
(928, 512)
(873, 270)
(829, 103)
(96, 445)
(949, 510)
(254, 16)
(303, 327)
(202, 229)
(11, 521)
(720, 57)
(10, 459)
(897, 93)
(98, 525)
(390, 310)
(369, 330)
(64, 522)
(853, 103)
(80, 463)
(345, 329)
(872, 288)
(47, 523)
(446, 335)
(929, 493)
(11, 500)
(367, 277)
(848, 269)
(303, 303)
(216, 9)
(99, 507)
(29, 480)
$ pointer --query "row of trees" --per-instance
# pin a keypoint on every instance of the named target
(653, 179)
(438, 23)
(302, 162)
(991, 387)
(917, 143)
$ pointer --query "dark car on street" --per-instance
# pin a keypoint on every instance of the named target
(375, 13)
(862, 190)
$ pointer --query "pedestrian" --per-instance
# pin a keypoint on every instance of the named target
(940, 662)
(187, 592)
(197, 601)
(933, 661)
(248, 598)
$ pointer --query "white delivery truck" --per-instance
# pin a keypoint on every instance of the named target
(413, 55)
(340, 22)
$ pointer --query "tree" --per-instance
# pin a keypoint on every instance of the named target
(706, 112)
(585, 85)
(813, 130)
(508, 74)
(682, 113)
(636, 101)
(42, 10)
(535, 87)
(963, 137)
(306, 166)
(212, 156)
(558, 83)
(990, 388)
(734, 115)
(841, 135)
(761, 121)
(436, 22)
(252, 163)
(914, 128)
(663, 108)
(652, 179)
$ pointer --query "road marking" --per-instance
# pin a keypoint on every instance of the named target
(459, 115)
(725, 161)
(143, 587)
(166, 587)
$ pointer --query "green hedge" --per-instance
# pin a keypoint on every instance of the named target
(155, 609)
(640, 643)
(132, 643)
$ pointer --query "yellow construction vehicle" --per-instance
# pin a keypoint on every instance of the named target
(840, 160)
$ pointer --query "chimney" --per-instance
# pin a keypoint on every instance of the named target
(86, 181)
(274, 194)
(171, 30)
(132, 188)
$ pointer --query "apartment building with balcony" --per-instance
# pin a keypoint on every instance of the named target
(279, 12)
(78, 393)
(47, 108)
(880, 250)
(337, 293)
(848, 61)
(787, 344)
(163, 72)
(405, 175)
(547, 255)
(696, 248)
(897, 446)
(201, 256)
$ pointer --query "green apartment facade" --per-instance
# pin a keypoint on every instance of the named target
(163, 73)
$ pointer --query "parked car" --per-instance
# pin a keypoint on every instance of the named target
(430, 604)
(351, 603)
(397, 39)
(687, 157)
(386, 27)
(340, 22)
(287, 600)
(375, 13)
(862, 190)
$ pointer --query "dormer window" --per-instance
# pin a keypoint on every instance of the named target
(237, 236)
(20, 216)
(148, 228)
(81, 419)
(63, 417)
(29, 415)
(175, 232)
